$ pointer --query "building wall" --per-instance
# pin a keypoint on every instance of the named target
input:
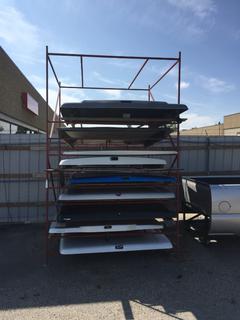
(232, 121)
(215, 130)
(230, 127)
(232, 132)
(12, 84)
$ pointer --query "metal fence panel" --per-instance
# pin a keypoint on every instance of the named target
(22, 165)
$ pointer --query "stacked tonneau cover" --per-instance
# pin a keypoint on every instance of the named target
(122, 111)
(118, 199)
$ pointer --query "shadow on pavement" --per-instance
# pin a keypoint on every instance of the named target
(203, 280)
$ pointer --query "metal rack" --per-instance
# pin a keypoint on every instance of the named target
(55, 148)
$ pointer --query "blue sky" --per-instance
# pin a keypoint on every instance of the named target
(207, 32)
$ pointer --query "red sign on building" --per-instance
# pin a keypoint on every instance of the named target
(30, 103)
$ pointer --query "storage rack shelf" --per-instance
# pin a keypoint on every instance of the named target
(56, 148)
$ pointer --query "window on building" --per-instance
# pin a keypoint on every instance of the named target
(10, 128)
(5, 127)
(13, 128)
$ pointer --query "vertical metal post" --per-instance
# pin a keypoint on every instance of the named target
(82, 80)
(47, 163)
(208, 156)
(178, 152)
(179, 76)
(59, 121)
(149, 93)
(59, 125)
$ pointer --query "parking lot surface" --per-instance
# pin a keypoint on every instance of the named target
(202, 283)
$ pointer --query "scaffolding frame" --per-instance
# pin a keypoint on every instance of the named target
(49, 131)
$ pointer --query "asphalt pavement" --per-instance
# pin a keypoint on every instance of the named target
(201, 283)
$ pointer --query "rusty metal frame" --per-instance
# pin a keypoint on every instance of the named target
(83, 86)
(129, 87)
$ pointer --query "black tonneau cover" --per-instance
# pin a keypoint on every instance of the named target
(127, 111)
